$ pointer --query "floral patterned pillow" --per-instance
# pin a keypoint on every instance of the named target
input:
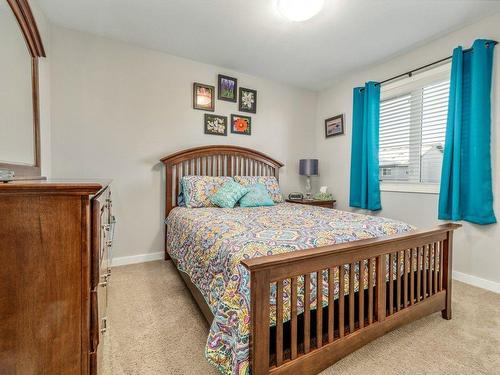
(229, 194)
(270, 182)
(197, 190)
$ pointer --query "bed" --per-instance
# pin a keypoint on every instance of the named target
(292, 288)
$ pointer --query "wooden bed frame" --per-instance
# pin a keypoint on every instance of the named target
(312, 341)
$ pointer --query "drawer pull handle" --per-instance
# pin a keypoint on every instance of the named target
(104, 324)
(104, 279)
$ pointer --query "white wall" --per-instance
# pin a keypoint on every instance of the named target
(477, 249)
(117, 109)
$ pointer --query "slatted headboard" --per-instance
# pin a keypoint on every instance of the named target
(214, 161)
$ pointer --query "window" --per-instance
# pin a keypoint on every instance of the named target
(413, 114)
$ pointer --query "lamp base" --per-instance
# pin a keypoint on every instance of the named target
(308, 195)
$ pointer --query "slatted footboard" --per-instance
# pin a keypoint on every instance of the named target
(382, 284)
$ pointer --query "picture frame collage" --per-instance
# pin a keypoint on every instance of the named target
(227, 90)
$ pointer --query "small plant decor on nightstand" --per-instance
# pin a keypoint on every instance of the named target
(323, 196)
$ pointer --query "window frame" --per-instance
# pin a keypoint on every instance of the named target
(402, 87)
(409, 187)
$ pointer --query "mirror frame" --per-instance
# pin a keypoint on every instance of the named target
(22, 11)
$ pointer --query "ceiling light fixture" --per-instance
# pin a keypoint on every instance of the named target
(299, 10)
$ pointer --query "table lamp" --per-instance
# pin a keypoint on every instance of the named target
(308, 168)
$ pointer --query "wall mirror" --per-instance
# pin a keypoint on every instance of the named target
(21, 47)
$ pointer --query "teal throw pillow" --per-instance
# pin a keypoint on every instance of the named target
(228, 194)
(258, 196)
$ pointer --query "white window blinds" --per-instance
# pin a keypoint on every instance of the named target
(412, 129)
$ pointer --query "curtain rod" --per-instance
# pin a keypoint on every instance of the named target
(410, 73)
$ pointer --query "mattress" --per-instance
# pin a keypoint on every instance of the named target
(208, 244)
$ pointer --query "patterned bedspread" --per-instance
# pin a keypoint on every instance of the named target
(209, 243)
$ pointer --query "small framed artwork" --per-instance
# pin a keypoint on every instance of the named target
(334, 126)
(203, 97)
(215, 125)
(227, 88)
(248, 100)
(241, 124)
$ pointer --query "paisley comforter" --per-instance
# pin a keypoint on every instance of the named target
(209, 243)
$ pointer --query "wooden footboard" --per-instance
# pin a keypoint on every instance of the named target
(314, 340)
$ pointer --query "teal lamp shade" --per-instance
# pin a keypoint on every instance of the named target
(308, 167)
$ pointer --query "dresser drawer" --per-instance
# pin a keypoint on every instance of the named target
(98, 323)
(102, 300)
(102, 234)
(107, 231)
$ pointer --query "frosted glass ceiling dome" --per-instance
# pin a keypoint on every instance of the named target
(299, 10)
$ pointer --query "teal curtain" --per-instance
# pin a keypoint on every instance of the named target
(365, 185)
(466, 188)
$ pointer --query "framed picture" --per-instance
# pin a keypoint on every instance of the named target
(203, 97)
(227, 88)
(248, 100)
(334, 126)
(241, 124)
(215, 125)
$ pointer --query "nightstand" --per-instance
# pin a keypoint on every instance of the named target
(314, 202)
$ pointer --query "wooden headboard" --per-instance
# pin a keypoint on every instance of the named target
(214, 161)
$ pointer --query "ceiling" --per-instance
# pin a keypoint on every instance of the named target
(250, 37)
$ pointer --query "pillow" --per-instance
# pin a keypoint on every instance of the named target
(270, 182)
(197, 190)
(229, 194)
(180, 198)
(256, 197)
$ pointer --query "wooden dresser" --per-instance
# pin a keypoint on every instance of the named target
(55, 239)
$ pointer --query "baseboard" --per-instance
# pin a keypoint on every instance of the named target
(141, 258)
(477, 281)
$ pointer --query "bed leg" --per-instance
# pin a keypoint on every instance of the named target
(447, 273)
(167, 256)
(446, 314)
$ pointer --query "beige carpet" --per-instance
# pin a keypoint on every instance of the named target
(156, 328)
